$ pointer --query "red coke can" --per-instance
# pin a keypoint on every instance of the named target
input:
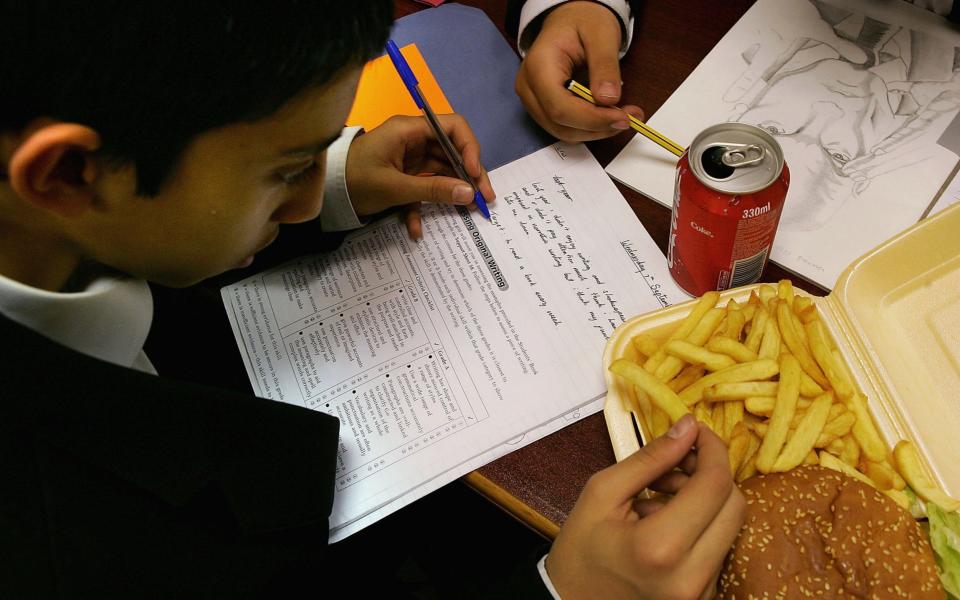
(730, 187)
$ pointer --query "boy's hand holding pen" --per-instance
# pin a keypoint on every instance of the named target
(386, 166)
(449, 148)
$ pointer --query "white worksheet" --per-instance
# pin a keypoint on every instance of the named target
(441, 355)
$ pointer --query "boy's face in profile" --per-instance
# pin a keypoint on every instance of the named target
(226, 198)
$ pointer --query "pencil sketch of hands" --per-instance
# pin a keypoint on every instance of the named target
(941, 7)
(776, 47)
(856, 99)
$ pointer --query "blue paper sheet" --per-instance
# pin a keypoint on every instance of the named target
(476, 68)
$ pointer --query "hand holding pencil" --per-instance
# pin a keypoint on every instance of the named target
(576, 37)
(635, 123)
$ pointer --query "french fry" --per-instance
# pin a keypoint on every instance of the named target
(831, 462)
(882, 473)
(801, 303)
(708, 324)
(840, 425)
(757, 370)
(898, 482)
(767, 293)
(900, 497)
(735, 323)
(851, 451)
(812, 458)
(785, 291)
(801, 443)
(703, 305)
(738, 391)
(757, 326)
(770, 344)
(795, 341)
(907, 459)
(701, 411)
(659, 422)
(808, 314)
(732, 416)
(835, 447)
(749, 467)
(739, 443)
(844, 369)
(760, 405)
(645, 344)
(687, 376)
(645, 408)
(808, 387)
(697, 355)
(661, 395)
(729, 346)
(836, 410)
(864, 431)
(803, 404)
(820, 347)
(788, 392)
(825, 439)
(718, 417)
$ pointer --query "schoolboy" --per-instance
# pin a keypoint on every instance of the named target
(169, 142)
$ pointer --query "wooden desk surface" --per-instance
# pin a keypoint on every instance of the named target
(540, 483)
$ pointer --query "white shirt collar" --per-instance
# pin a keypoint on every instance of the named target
(108, 320)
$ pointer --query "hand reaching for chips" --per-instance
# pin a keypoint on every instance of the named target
(767, 378)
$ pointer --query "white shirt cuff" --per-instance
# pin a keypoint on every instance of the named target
(337, 213)
(542, 567)
(533, 9)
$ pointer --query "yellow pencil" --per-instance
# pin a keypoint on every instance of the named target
(635, 123)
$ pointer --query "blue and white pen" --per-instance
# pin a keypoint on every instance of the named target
(413, 86)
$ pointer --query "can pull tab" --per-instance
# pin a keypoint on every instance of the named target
(741, 155)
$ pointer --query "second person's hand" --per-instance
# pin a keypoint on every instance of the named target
(385, 168)
(575, 35)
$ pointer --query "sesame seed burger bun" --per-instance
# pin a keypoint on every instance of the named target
(815, 533)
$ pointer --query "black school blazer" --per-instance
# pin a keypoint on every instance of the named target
(117, 483)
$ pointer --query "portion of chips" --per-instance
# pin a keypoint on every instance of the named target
(767, 378)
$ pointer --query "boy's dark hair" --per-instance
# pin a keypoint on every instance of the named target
(149, 76)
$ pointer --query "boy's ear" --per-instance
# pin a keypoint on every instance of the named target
(53, 168)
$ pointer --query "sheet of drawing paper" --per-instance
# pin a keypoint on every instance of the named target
(381, 93)
(476, 68)
(442, 355)
(858, 103)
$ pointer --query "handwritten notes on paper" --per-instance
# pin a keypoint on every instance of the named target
(532, 210)
(435, 354)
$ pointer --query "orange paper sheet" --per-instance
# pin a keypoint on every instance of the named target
(381, 93)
